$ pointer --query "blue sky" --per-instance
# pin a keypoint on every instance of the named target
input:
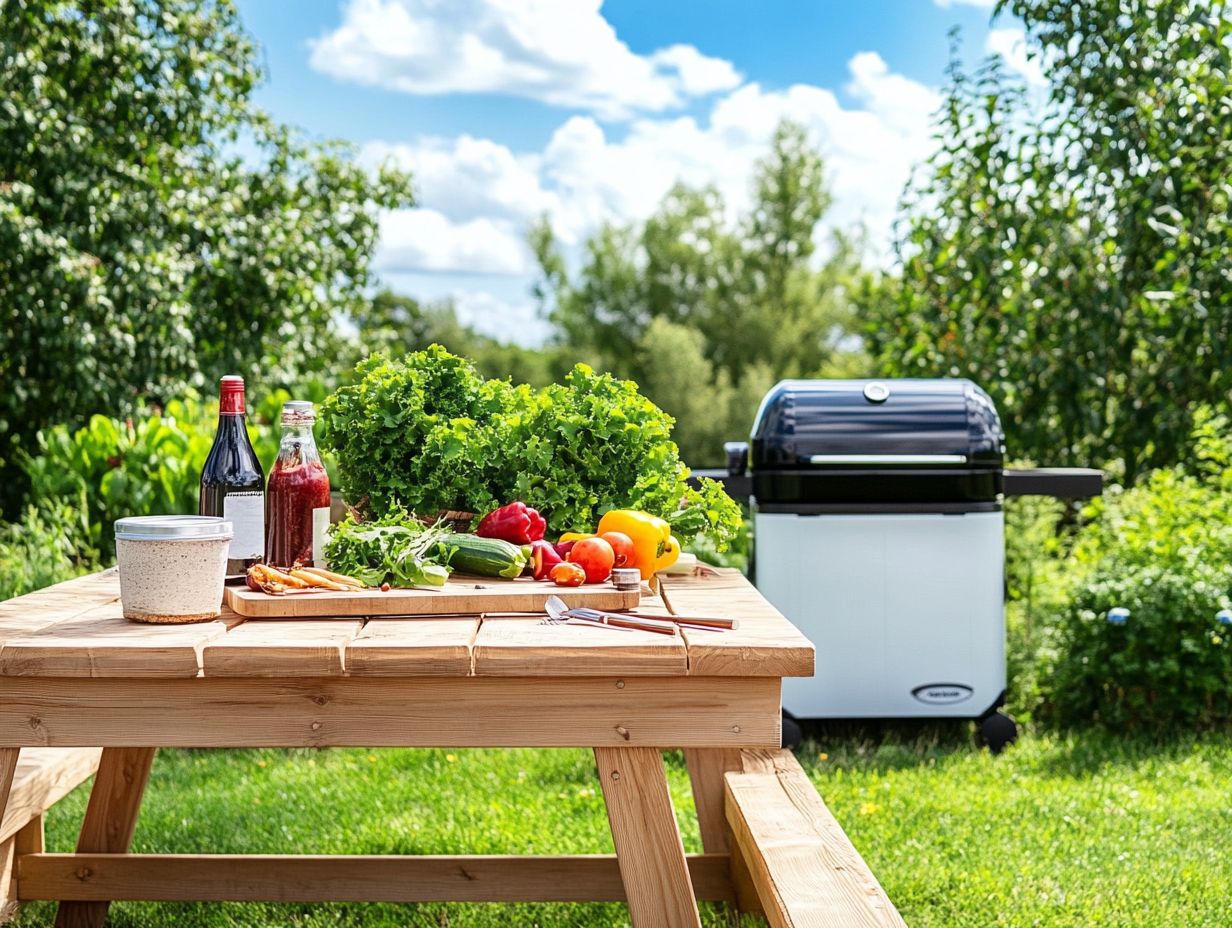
(507, 109)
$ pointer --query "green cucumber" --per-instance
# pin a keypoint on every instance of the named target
(486, 557)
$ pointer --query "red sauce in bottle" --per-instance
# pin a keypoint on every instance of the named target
(297, 497)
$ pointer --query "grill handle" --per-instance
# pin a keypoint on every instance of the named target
(888, 459)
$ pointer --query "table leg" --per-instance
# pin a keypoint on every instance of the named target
(707, 767)
(111, 819)
(8, 848)
(648, 845)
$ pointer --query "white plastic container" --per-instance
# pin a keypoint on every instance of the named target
(172, 568)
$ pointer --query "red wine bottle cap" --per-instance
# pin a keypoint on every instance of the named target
(231, 394)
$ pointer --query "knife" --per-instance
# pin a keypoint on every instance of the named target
(559, 613)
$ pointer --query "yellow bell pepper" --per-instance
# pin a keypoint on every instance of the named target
(575, 536)
(654, 548)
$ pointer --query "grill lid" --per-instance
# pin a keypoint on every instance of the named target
(877, 441)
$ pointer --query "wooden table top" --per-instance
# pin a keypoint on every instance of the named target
(76, 629)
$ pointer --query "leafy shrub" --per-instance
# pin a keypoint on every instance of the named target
(1168, 665)
(45, 547)
(1161, 550)
(149, 464)
(1038, 582)
(428, 433)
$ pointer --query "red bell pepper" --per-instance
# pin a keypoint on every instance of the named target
(544, 557)
(516, 523)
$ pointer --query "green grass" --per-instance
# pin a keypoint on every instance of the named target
(1085, 830)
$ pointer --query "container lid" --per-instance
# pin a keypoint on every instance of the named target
(297, 412)
(626, 576)
(173, 528)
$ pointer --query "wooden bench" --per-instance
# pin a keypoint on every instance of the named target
(790, 857)
(42, 777)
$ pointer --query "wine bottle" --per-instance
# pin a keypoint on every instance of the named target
(232, 483)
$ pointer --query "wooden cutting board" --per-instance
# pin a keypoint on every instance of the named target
(459, 596)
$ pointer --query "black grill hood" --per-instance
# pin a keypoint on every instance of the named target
(877, 441)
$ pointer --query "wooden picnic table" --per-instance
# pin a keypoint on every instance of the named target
(74, 672)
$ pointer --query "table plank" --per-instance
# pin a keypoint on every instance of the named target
(25, 614)
(521, 647)
(294, 648)
(517, 645)
(765, 643)
(353, 877)
(413, 647)
(666, 712)
(102, 643)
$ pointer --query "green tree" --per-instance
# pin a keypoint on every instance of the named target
(1072, 256)
(704, 313)
(156, 228)
(397, 325)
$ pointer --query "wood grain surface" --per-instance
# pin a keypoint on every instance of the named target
(429, 646)
(648, 845)
(805, 868)
(100, 642)
(43, 777)
(25, 614)
(765, 644)
(480, 711)
(275, 878)
(111, 819)
(300, 648)
(522, 647)
(460, 596)
(75, 630)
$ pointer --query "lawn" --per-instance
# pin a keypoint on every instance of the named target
(1087, 830)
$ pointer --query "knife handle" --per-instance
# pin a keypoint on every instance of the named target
(640, 623)
(707, 622)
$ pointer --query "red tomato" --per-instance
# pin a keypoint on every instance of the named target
(622, 547)
(595, 556)
(566, 574)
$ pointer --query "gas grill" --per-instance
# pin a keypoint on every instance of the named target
(878, 530)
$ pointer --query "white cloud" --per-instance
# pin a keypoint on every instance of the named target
(509, 320)
(982, 4)
(697, 74)
(468, 177)
(868, 151)
(561, 52)
(478, 195)
(1010, 43)
(427, 240)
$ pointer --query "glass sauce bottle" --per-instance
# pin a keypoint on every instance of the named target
(297, 496)
(232, 480)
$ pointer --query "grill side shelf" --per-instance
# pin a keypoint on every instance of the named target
(1058, 482)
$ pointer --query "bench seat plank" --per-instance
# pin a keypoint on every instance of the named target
(804, 867)
(44, 777)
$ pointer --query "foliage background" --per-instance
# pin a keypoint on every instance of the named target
(1067, 249)
(1071, 254)
(157, 230)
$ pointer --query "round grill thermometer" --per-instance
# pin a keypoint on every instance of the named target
(876, 392)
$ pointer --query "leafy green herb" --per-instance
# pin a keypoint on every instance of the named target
(429, 433)
(395, 549)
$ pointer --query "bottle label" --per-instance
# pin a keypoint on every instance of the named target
(320, 525)
(246, 513)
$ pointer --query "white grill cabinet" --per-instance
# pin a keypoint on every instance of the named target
(878, 531)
